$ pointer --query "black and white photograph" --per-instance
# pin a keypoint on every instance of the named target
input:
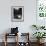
(17, 13)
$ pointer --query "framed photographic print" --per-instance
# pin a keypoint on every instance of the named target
(17, 13)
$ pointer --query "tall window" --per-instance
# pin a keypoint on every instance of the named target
(41, 8)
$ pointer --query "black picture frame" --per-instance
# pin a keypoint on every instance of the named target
(17, 13)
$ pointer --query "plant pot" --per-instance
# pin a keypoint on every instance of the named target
(40, 40)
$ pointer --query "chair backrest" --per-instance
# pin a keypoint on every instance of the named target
(14, 30)
(24, 37)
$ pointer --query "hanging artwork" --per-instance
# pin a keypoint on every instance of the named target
(17, 13)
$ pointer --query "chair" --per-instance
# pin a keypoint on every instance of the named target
(26, 41)
(14, 32)
(7, 35)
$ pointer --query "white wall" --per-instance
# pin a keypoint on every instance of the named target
(29, 15)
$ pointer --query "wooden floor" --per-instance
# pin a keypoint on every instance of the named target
(13, 44)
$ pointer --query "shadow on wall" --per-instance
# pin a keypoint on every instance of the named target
(32, 30)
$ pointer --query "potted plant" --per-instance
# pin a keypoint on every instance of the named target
(35, 26)
(38, 27)
(39, 35)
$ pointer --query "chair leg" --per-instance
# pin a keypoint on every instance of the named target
(5, 39)
(5, 43)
